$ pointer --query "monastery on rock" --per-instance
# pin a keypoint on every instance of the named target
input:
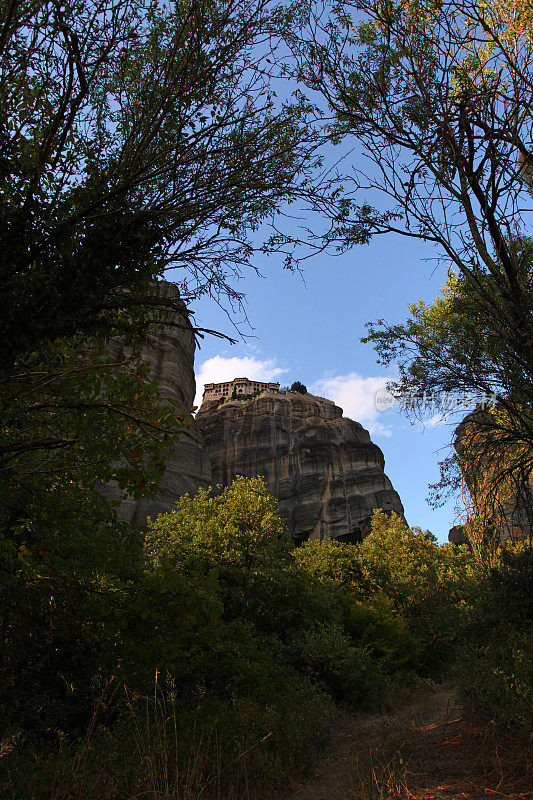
(239, 385)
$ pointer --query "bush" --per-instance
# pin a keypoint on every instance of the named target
(213, 605)
(495, 661)
(496, 678)
(239, 529)
(255, 639)
(345, 670)
(234, 748)
(264, 586)
(432, 586)
(413, 597)
(297, 386)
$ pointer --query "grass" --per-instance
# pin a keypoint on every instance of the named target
(421, 748)
(223, 750)
(381, 770)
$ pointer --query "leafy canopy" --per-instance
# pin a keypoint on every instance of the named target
(298, 386)
(135, 135)
(434, 99)
(240, 527)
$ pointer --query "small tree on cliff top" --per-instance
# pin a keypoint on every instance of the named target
(297, 386)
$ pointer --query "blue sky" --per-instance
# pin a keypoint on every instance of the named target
(309, 328)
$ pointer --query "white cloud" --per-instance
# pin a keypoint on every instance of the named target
(356, 395)
(378, 429)
(218, 369)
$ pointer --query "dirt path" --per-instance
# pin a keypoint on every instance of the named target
(427, 750)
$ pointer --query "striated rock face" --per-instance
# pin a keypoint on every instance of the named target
(323, 468)
(170, 354)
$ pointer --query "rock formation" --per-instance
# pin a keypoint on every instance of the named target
(170, 354)
(322, 467)
(457, 535)
(501, 492)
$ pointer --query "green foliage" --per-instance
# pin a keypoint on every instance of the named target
(233, 748)
(240, 534)
(330, 560)
(346, 671)
(496, 655)
(496, 677)
(378, 625)
(435, 609)
(432, 586)
(252, 638)
(122, 153)
(254, 647)
(77, 608)
(73, 418)
(415, 594)
(432, 345)
(456, 348)
(297, 386)
(240, 529)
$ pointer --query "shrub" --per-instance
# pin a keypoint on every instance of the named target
(496, 678)
(268, 587)
(239, 528)
(231, 748)
(412, 597)
(297, 386)
(330, 561)
(369, 617)
(347, 671)
(432, 586)
(254, 636)
(495, 661)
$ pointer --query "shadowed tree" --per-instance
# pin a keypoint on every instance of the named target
(135, 136)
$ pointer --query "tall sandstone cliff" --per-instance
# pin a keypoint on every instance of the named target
(170, 355)
(323, 468)
(326, 473)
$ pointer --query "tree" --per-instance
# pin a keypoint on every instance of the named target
(80, 413)
(401, 575)
(437, 100)
(432, 585)
(77, 418)
(303, 623)
(240, 528)
(451, 349)
(297, 386)
(135, 136)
